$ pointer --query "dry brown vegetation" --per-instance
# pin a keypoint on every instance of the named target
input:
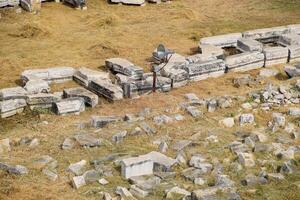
(62, 36)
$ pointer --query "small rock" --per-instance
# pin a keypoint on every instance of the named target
(193, 111)
(246, 159)
(199, 181)
(177, 192)
(67, 144)
(268, 72)
(78, 168)
(119, 136)
(78, 181)
(246, 119)
(50, 174)
(163, 147)
(103, 181)
(227, 122)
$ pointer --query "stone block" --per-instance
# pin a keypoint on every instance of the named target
(130, 2)
(84, 76)
(292, 70)
(246, 159)
(204, 70)
(37, 86)
(55, 74)
(227, 40)
(106, 89)
(12, 93)
(211, 51)
(294, 53)
(31, 5)
(161, 161)
(90, 98)
(102, 121)
(42, 100)
(245, 61)
(69, 106)
(123, 66)
(78, 181)
(136, 166)
(266, 34)
(248, 44)
(9, 108)
(275, 55)
(294, 28)
(289, 39)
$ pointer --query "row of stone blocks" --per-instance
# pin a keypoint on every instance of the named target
(131, 81)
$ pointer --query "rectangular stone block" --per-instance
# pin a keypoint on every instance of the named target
(12, 93)
(204, 70)
(248, 44)
(289, 39)
(102, 121)
(37, 86)
(266, 34)
(227, 40)
(55, 74)
(275, 55)
(83, 76)
(294, 28)
(161, 161)
(106, 89)
(130, 2)
(245, 61)
(11, 107)
(136, 166)
(211, 51)
(41, 100)
(294, 53)
(123, 66)
(73, 105)
(31, 5)
(90, 98)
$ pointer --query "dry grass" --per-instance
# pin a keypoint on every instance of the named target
(63, 36)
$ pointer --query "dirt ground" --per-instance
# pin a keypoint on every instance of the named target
(62, 36)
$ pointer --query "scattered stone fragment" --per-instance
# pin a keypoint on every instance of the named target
(148, 129)
(4, 145)
(227, 122)
(103, 181)
(251, 180)
(91, 176)
(78, 168)
(246, 159)
(246, 119)
(177, 192)
(163, 147)
(118, 137)
(292, 70)
(201, 194)
(294, 111)
(102, 121)
(161, 161)
(78, 181)
(288, 167)
(138, 192)
(136, 166)
(181, 145)
(87, 140)
(68, 144)
(123, 192)
(178, 117)
(13, 169)
(193, 111)
(50, 174)
(199, 181)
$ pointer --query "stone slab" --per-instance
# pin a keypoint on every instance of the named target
(248, 44)
(227, 40)
(83, 76)
(90, 98)
(9, 108)
(12, 93)
(275, 55)
(106, 89)
(136, 166)
(73, 105)
(266, 34)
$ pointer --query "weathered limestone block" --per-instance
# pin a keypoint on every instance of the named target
(11, 107)
(12, 93)
(289, 39)
(292, 70)
(196, 58)
(245, 61)
(101, 121)
(227, 40)
(31, 5)
(161, 161)
(248, 44)
(266, 34)
(106, 89)
(130, 2)
(204, 70)
(55, 74)
(246, 159)
(175, 73)
(294, 28)
(90, 98)
(37, 86)
(42, 100)
(211, 50)
(123, 66)
(275, 55)
(136, 166)
(87, 140)
(294, 53)
(83, 76)
(70, 105)
(4, 3)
